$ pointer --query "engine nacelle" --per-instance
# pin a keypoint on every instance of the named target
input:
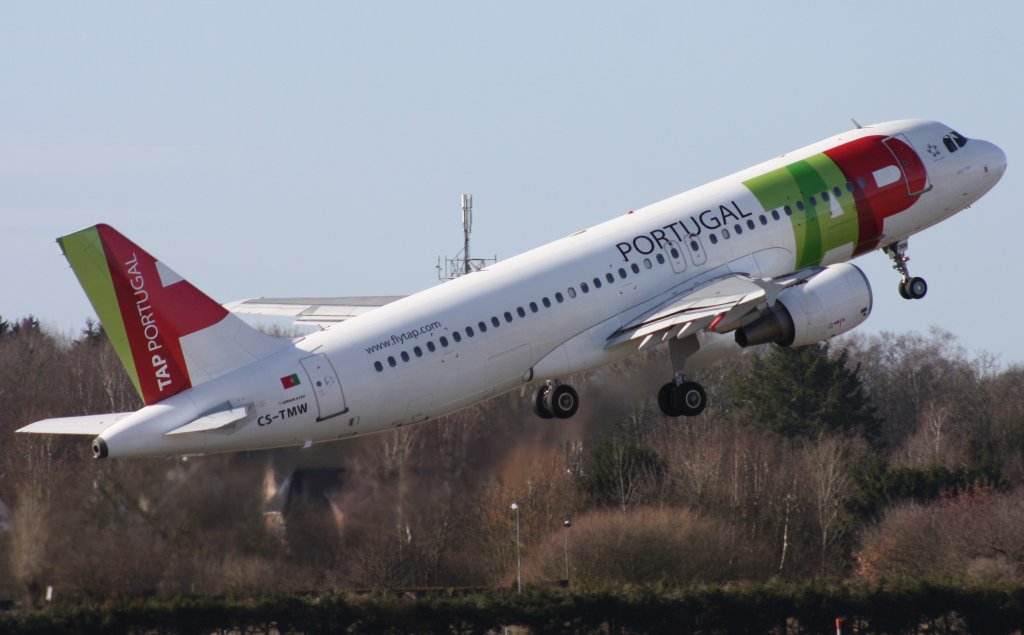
(830, 303)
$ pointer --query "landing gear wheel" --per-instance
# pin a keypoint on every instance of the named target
(687, 399)
(913, 288)
(562, 401)
(665, 400)
(693, 398)
(538, 401)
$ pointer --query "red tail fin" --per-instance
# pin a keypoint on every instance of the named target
(169, 335)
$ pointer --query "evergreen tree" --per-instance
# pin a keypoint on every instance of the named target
(807, 392)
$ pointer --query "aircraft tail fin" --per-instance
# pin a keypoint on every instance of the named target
(169, 335)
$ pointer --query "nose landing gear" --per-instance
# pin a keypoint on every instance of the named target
(911, 288)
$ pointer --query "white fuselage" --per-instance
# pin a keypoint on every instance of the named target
(544, 314)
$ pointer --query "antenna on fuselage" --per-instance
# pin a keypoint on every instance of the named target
(856, 123)
(461, 263)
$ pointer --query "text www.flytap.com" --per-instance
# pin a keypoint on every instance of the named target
(399, 338)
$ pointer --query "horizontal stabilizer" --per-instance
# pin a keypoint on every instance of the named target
(91, 425)
(320, 311)
(220, 421)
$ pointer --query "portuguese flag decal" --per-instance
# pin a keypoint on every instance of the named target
(290, 381)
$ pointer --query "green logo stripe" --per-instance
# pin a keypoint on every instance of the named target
(817, 228)
(84, 252)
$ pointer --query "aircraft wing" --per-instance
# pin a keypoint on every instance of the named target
(91, 425)
(319, 311)
(721, 305)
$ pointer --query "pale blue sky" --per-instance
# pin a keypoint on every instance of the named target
(320, 148)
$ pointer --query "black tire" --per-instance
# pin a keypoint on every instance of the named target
(562, 402)
(665, 402)
(903, 290)
(917, 288)
(691, 398)
(538, 402)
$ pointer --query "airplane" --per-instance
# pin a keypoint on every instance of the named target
(757, 257)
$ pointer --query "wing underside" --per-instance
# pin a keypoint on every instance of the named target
(719, 305)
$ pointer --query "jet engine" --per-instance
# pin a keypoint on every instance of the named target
(831, 302)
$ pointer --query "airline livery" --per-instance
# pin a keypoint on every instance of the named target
(757, 257)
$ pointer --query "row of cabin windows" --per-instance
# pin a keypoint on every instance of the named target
(610, 277)
(495, 321)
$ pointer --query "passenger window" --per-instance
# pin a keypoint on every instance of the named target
(597, 283)
(763, 219)
(405, 356)
(378, 366)
(391, 362)
(837, 192)
(647, 263)
(750, 224)
(456, 336)
(559, 298)
(694, 246)
(584, 287)
(508, 317)
(813, 201)
(824, 196)
(800, 205)
(736, 228)
(674, 252)
(495, 322)
(469, 331)
(572, 292)
(788, 210)
(431, 347)
(861, 183)
(622, 273)
(444, 341)
(635, 267)
(545, 302)
(482, 327)
(660, 259)
(775, 214)
(521, 311)
(533, 307)
(849, 186)
(418, 351)
(713, 239)
(725, 234)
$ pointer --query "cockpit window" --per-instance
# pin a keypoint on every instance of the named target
(961, 141)
(950, 145)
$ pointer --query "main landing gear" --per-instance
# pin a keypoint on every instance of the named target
(911, 288)
(680, 397)
(553, 399)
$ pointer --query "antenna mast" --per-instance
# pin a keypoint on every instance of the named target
(462, 263)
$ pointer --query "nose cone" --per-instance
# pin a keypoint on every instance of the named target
(993, 160)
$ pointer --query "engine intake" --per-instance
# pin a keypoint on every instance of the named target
(830, 303)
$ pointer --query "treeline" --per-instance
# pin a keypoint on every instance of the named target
(881, 460)
(783, 609)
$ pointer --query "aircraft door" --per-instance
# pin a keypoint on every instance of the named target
(329, 397)
(915, 176)
(696, 249)
(675, 255)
